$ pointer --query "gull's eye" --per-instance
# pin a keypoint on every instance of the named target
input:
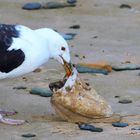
(63, 48)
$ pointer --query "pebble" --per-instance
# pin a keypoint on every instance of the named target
(44, 92)
(29, 135)
(120, 124)
(20, 87)
(32, 6)
(125, 101)
(136, 128)
(54, 5)
(90, 128)
(68, 36)
(127, 66)
(71, 1)
(83, 69)
(125, 6)
(75, 27)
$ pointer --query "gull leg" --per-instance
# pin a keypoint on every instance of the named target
(9, 120)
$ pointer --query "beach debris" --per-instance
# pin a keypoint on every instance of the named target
(44, 92)
(86, 69)
(125, 6)
(32, 6)
(100, 65)
(125, 101)
(75, 27)
(76, 101)
(125, 66)
(71, 1)
(28, 135)
(136, 128)
(20, 87)
(54, 5)
(120, 124)
(68, 36)
(89, 127)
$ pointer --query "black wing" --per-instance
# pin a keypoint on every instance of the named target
(9, 60)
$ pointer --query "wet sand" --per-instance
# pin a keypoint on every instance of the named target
(117, 40)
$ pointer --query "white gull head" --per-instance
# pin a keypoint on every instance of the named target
(58, 47)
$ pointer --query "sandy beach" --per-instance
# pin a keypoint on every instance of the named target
(107, 33)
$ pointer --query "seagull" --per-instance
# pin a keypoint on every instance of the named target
(22, 50)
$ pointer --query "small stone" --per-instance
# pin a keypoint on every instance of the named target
(32, 6)
(20, 87)
(117, 96)
(28, 135)
(68, 36)
(44, 92)
(120, 124)
(125, 6)
(37, 70)
(75, 27)
(125, 101)
(136, 128)
(126, 66)
(89, 127)
(71, 1)
(83, 69)
(76, 55)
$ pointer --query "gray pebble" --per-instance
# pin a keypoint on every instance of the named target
(125, 101)
(28, 135)
(44, 92)
(89, 127)
(120, 124)
(32, 6)
(136, 128)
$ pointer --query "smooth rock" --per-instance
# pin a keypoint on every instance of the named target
(28, 135)
(127, 66)
(54, 5)
(44, 92)
(89, 127)
(71, 1)
(125, 6)
(68, 36)
(120, 124)
(32, 6)
(75, 27)
(20, 87)
(83, 69)
(136, 128)
(125, 101)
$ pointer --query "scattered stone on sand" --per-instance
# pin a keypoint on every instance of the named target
(100, 65)
(28, 135)
(125, 101)
(54, 5)
(89, 127)
(127, 66)
(136, 128)
(44, 92)
(120, 124)
(32, 6)
(37, 70)
(20, 87)
(71, 1)
(84, 69)
(68, 36)
(117, 96)
(125, 6)
(75, 27)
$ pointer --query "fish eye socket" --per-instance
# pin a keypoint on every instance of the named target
(63, 48)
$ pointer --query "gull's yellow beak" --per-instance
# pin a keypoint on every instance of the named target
(68, 67)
